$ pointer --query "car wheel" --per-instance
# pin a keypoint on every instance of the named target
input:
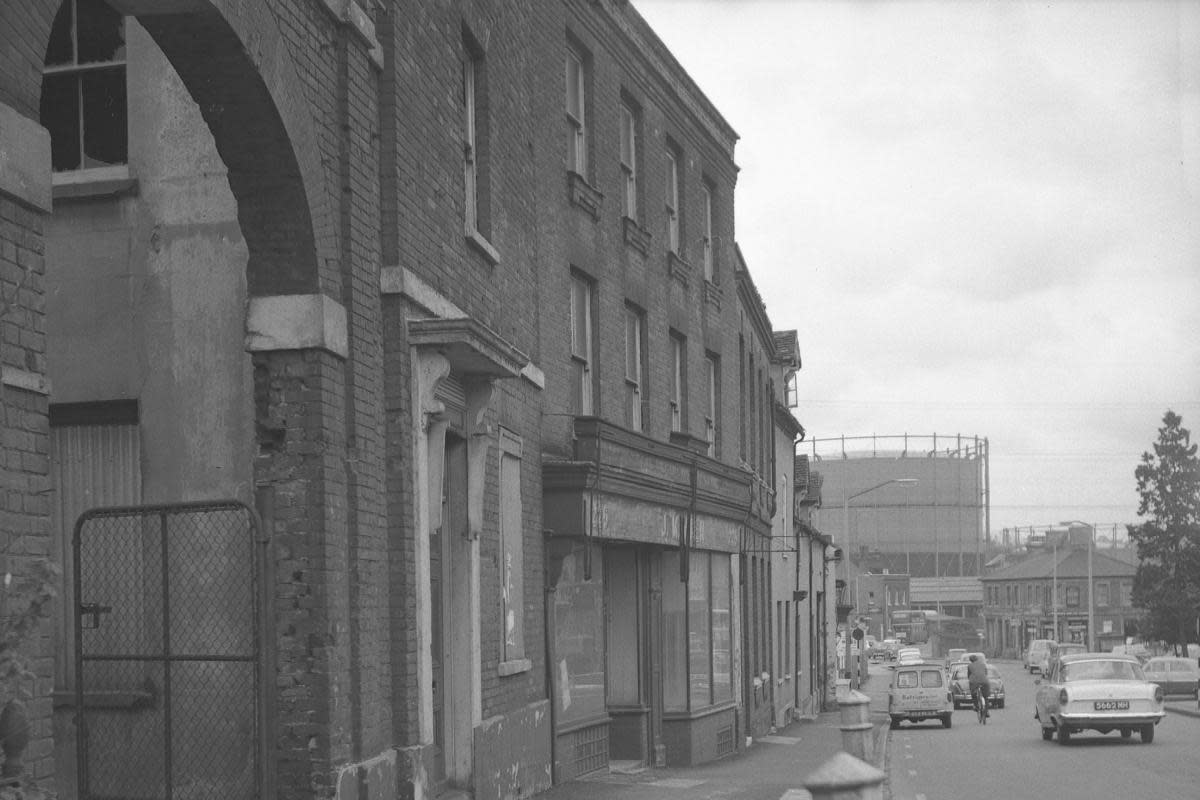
(1064, 734)
(1047, 734)
(1000, 704)
(895, 724)
(946, 720)
(1126, 733)
(1147, 733)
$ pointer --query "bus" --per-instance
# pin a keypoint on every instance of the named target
(910, 626)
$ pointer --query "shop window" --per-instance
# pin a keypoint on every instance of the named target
(697, 646)
(83, 103)
(579, 638)
(624, 617)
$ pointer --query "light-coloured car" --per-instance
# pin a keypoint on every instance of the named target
(909, 655)
(1174, 674)
(1036, 653)
(917, 693)
(1100, 692)
(955, 654)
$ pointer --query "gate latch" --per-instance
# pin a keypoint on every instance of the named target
(94, 610)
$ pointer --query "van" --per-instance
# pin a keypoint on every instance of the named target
(919, 692)
(1037, 653)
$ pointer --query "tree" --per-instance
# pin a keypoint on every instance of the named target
(1167, 583)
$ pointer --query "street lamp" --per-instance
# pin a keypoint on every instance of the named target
(848, 550)
(1091, 588)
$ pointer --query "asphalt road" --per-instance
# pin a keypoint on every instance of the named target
(1008, 759)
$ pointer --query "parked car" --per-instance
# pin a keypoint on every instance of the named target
(1058, 650)
(1036, 653)
(918, 693)
(960, 687)
(1174, 674)
(891, 648)
(1100, 692)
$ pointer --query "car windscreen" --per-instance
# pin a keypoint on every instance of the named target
(1101, 671)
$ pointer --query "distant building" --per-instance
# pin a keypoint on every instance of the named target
(1046, 595)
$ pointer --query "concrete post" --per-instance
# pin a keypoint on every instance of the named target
(856, 725)
(844, 777)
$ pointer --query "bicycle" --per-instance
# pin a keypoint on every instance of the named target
(981, 704)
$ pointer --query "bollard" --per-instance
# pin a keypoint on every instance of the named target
(857, 738)
(845, 777)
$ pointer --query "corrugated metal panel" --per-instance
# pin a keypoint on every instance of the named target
(90, 466)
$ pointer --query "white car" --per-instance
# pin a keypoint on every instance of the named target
(909, 655)
(1100, 692)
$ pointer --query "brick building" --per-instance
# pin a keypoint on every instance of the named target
(446, 346)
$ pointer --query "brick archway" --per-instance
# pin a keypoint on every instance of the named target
(270, 78)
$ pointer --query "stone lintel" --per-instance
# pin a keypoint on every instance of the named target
(24, 159)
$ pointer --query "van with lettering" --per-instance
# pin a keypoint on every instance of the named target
(919, 692)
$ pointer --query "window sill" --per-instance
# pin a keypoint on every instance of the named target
(636, 236)
(584, 195)
(97, 183)
(480, 243)
(514, 667)
(679, 269)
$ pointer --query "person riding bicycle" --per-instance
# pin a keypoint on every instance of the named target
(977, 677)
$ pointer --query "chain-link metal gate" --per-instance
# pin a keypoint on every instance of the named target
(167, 652)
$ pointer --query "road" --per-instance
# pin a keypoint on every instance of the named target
(1008, 759)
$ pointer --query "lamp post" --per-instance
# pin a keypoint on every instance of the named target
(1091, 587)
(848, 550)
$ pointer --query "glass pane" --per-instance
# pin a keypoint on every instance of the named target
(624, 685)
(60, 116)
(105, 132)
(722, 621)
(574, 87)
(579, 318)
(626, 137)
(700, 668)
(579, 639)
(61, 49)
(101, 32)
(674, 611)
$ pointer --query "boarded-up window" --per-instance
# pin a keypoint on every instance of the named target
(512, 546)
(95, 461)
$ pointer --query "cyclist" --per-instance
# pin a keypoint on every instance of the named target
(977, 677)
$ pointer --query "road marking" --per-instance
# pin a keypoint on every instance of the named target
(676, 783)
(796, 794)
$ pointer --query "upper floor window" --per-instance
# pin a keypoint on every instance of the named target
(477, 216)
(678, 362)
(1072, 596)
(630, 146)
(712, 383)
(1101, 594)
(710, 269)
(577, 122)
(672, 201)
(635, 356)
(582, 389)
(83, 102)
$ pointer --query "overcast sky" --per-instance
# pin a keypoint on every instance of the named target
(982, 218)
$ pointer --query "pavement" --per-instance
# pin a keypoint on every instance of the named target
(773, 767)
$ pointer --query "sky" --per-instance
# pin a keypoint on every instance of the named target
(982, 218)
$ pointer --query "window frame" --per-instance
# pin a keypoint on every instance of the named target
(577, 69)
(677, 401)
(636, 367)
(712, 367)
(512, 556)
(76, 70)
(708, 241)
(582, 354)
(630, 152)
(672, 201)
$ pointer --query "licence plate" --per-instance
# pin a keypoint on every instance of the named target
(1111, 705)
(922, 713)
